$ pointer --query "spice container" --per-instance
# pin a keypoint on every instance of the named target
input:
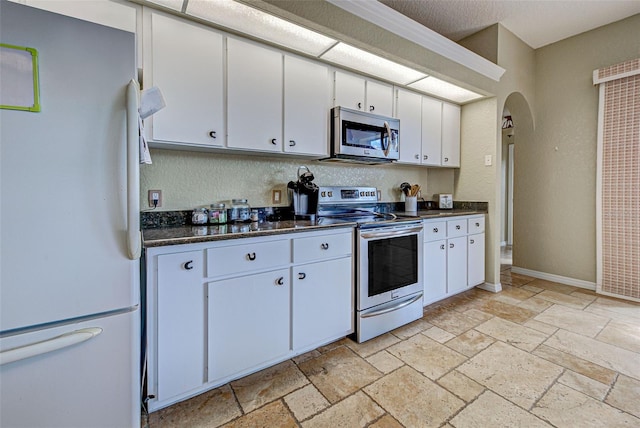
(199, 216)
(239, 211)
(217, 214)
(255, 215)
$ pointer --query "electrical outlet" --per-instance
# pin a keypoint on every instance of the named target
(276, 197)
(487, 160)
(155, 198)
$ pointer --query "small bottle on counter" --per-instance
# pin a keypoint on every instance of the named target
(255, 215)
(217, 214)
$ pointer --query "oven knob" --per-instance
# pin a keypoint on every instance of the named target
(323, 194)
(330, 194)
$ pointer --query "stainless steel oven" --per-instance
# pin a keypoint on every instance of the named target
(388, 277)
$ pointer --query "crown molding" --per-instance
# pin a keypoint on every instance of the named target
(383, 16)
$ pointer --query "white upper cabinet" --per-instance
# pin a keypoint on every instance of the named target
(254, 97)
(357, 93)
(431, 131)
(306, 106)
(450, 135)
(379, 98)
(186, 63)
(409, 111)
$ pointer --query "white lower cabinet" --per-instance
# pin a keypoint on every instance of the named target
(453, 256)
(180, 331)
(322, 302)
(248, 322)
(258, 302)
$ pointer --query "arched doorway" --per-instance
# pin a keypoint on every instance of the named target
(517, 130)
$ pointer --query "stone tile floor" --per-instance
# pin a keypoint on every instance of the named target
(538, 354)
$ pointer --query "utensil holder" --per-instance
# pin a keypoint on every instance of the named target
(411, 203)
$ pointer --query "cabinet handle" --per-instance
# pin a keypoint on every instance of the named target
(302, 275)
(457, 227)
(442, 247)
(292, 143)
(251, 256)
(435, 230)
(212, 134)
(324, 246)
(273, 141)
(359, 106)
(446, 159)
(188, 264)
(280, 281)
(426, 157)
(472, 241)
(477, 224)
(417, 156)
(451, 245)
(372, 108)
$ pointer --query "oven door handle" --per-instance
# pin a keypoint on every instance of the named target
(369, 235)
(393, 308)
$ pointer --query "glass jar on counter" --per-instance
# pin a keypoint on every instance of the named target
(199, 216)
(217, 214)
(239, 211)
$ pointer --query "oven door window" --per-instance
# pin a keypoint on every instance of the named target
(393, 263)
(364, 136)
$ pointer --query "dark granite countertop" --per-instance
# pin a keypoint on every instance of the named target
(191, 234)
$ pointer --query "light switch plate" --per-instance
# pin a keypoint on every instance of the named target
(487, 160)
(276, 197)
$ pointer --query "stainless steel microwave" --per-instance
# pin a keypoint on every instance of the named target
(362, 137)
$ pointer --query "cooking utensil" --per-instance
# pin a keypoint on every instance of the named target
(414, 190)
(406, 188)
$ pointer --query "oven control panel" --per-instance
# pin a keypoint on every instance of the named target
(342, 195)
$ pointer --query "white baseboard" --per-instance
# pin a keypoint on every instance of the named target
(555, 278)
(494, 288)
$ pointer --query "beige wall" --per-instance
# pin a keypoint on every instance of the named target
(191, 179)
(556, 173)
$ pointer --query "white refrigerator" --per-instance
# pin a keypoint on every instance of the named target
(69, 229)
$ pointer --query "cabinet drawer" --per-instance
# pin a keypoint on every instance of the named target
(476, 225)
(247, 257)
(456, 228)
(434, 231)
(322, 247)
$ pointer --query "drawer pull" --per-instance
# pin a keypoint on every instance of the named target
(435, 230)
(324, 246)
(426, 157)
(292, 143)
(451, 245)
(359, 106)
(446, 159)
(188, 265)
(472, 241)
(273, 141)
(457, 227)
(212, 134)
(302, 275)
(477, 224)
(442, 247)
(280, 281)
(417, 156)
(372, 108)
(251, 256)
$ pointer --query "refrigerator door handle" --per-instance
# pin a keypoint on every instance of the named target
(50, 345)
(134, 237)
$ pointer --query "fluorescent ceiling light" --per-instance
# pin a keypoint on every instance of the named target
(446, 90)
(170, 4)
(261, 25)
(358, 59)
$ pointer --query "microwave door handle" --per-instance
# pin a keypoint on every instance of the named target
(386, 146)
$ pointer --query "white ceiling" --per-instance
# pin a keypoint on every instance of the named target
(536, 22)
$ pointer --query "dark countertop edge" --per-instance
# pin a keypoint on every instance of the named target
(431, 214)
(180, 240)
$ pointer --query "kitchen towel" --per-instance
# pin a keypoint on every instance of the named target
(145, 155)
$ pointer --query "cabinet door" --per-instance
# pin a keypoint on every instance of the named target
(248, 322)
(456, 264)
(254, 97)
(379, 98)
(187, 66)
(306, 107)
(349, 91)
(431, 131)
(450, 135)
(476, 259)
(435, 271)
(322, 302)
(409, 111)
(180, 323)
